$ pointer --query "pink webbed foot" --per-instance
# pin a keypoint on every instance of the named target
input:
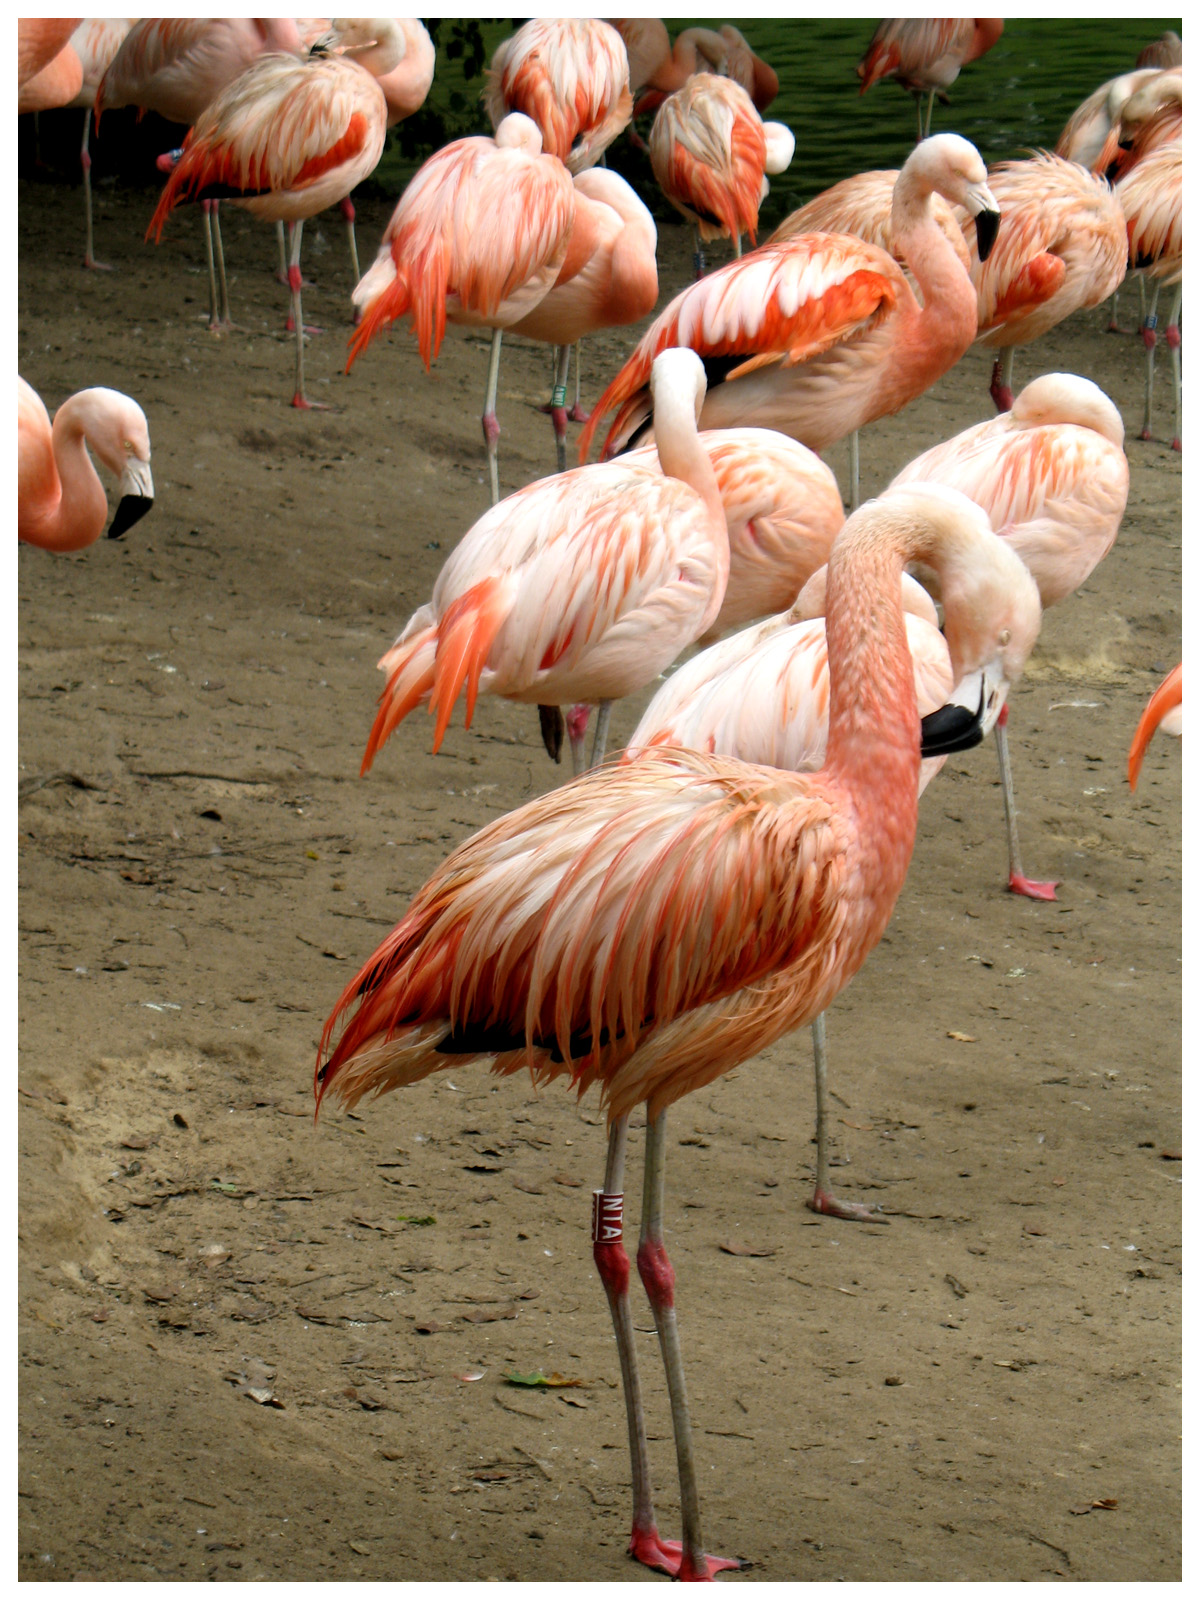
(1175, 445)
(1146, 435)
(666, 1555)
(309, 327)
(1031, 888)
(578, 414)
(301, 402)
(827, 1204)
(96, 266)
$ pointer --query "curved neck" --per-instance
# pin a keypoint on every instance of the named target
(682, 456)
(82, 509)
(950, 307)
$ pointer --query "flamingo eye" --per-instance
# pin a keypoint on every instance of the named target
(129, 447)
(1005, 635)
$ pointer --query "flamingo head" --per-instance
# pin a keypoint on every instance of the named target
(375, 43)
(115, 427)
(950, 165)
(516, 131)
(1062, 397)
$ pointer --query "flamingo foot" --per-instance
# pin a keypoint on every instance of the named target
(666, 1555)
(96, 266)
(1175, 445)
(1031, 888)
(578, 414)
(1146, 434)
(827, 1204)
(301, 402)
(1114, 327)
(309, 327)
(1001, 394)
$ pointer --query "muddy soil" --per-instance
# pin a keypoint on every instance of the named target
(254, 1349)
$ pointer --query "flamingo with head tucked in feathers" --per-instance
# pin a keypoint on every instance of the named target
(1051, 475)
(818, 335)
(926, 54)
(650, 926)
(568, 75)
(290, 137)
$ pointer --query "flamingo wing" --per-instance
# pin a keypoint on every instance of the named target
(1151, 197)
(782, 303)
(566, 934)
(708, 151)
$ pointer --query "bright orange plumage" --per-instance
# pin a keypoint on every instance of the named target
(1167, 698)
(570, 76)
(708, 152)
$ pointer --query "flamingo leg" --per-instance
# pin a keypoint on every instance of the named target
(558, 404)
(1173, 346)
(281, 271)
(824, 1201)
(929, 113)
(293, 229)
(1017, 881)
(577, 721)
(600, 738)
(300, 400)
(226, 321)
(737, 245)
(1113, 325)
(214, 321)
(854, 489)
(577, 413)
(347, 209)
(1150, 339)
(491, 428)
(85, 161)
(658, 1279)
(698, 261)
(1001, 390)
(612, 1264)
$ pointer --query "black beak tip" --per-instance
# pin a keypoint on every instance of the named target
(987, 226)
(133, 508)
(950, 729)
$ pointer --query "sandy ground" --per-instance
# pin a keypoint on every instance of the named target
(246, 1344)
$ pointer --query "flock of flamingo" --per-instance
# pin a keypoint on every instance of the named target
(663, 917)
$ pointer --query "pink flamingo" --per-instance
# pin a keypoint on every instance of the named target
(818, 335)
(763, 696)
(1151, 199)
(608, 279)
(1051, 475)
(659, 68)
(569, 76)
(580, 587)
(1165, 710)
(1062, 249)
(177, 66)
(926, 55)
(61, 504)
(1088, 126)
(1151, 117)
(651, 926)
(479, 237)
(710, 151)
(95, 41)
(288, 138)
(862, 206)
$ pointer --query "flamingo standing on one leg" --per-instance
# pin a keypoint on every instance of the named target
(651, 926)
(478, 237)
(61, 504)
(762, 695)
(926, 54)
(1062, 249)
(177, 66)
(1165, 710)
(95, 41)
(710, 151)
(1151, 198)
(1052, 476)
(580, 587)
(289, 138)
(818, 335)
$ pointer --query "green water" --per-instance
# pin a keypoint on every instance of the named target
(1015, 98)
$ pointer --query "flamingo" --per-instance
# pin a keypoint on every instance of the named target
(1088, 126)
(1151, 117)
(478, 237)
(926, 54)
(1062, 249)
(660, 68)
(1051, 475)
(95, 41)
(818, 335)
(651, 926)
(290, 137)
(1151, 199)
(608, 279)
(862, 205)
(762, 695)
(177, 66)
(569, 76)
(580, 587)
(61, 504)
(1165, 710)
(710, 151)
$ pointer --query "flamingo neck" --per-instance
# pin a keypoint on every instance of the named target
(83, 506)
(950, 315)
(682, 456)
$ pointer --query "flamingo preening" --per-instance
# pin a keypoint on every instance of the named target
(288, 138)
(817, 335)
(61, 504)
(652, 925)
(1051, 475)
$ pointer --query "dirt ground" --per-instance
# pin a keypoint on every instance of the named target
(250, 1349)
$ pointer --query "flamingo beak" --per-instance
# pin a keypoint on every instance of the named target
(137, 496)
(981, 203)
(954, 727)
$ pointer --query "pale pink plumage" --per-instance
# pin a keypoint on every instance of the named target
(1152, 116)
(570, 76)
(1087, 128)
(61, 504)
(862, 206)
(1151, 199)
(178, 65)
(652, 925)
(828, 333)
(925, 54)
(661, 68)
(39, 40)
